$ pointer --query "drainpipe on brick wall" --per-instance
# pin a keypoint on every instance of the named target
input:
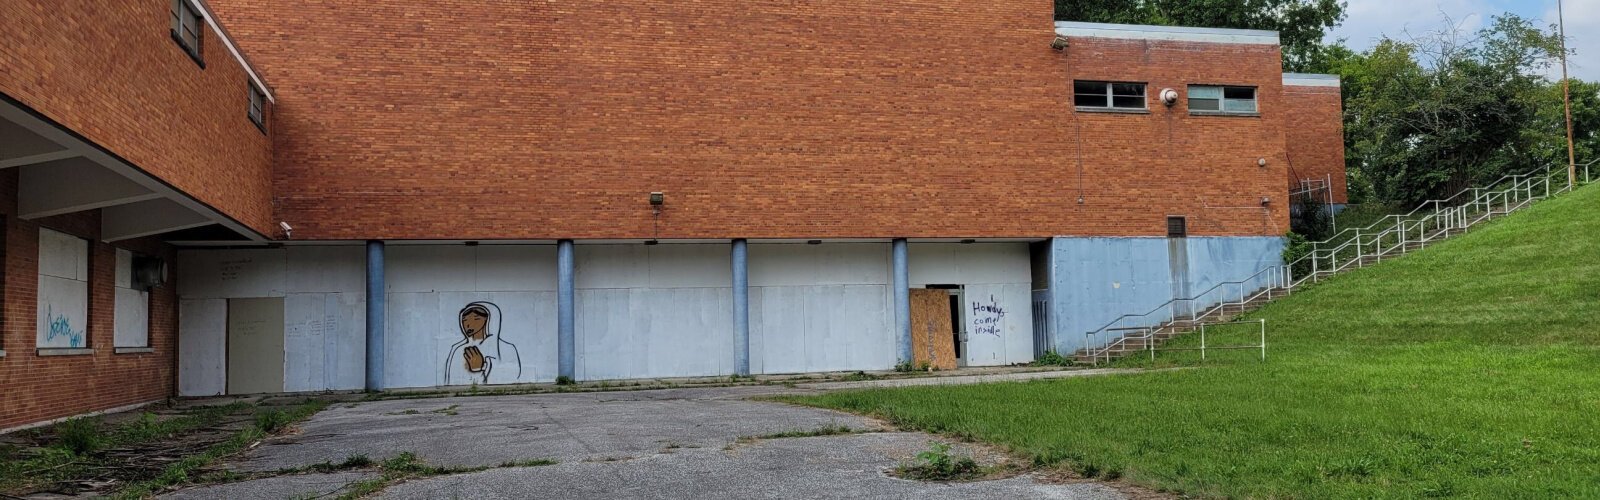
(902, 302)
(565, 311)
(741, 308)
(376, 299)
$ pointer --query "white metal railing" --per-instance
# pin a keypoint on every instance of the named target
(1431, 221)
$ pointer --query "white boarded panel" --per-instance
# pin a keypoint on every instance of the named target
(63, 255)
(304, 359)
(999, 324)
(132, 318)
(503, 268)
(207, 274)
(326, 269)
(826, 264)
(202, 329)
(650, 333)
(124, 271)
(797, 329)
(429, 268)
(977, 263)
(345, 341)
(412, 341)
(63, 313)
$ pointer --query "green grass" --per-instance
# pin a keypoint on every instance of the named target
(1471, 369)
(71, 451)
(188, 469)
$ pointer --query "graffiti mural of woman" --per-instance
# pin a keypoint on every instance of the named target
(481, 356)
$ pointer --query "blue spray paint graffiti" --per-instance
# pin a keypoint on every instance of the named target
(60, 326)
(986, 317)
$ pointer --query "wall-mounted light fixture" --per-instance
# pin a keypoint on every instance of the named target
(658, 198)
(1266, 200)
(1262, 162)
(1059, 44)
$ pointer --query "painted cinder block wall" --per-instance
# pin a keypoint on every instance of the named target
(759, 119)
(1316, 135)
(36, 388)
(111, 72)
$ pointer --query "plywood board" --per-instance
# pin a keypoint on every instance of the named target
(202, 330)
(931, 337)
(255, 345)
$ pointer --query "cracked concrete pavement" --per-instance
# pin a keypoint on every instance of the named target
(644, 444)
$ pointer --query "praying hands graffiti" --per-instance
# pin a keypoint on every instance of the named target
(475, 358)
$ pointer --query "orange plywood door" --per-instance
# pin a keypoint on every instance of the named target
(931, 338)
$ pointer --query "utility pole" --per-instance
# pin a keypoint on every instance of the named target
(1566, 97)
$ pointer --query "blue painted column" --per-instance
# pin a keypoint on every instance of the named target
(741, 308)
(376, 299)
(902, 302)
(566, 323)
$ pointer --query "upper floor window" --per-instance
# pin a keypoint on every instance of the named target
(1219, 99)
(187, 28)
(258, 104)
(1108, 95)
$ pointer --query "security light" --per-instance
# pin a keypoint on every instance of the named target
(658, 198)
(1060, 43)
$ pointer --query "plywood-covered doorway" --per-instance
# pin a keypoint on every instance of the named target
(932, 333)
(255, 345)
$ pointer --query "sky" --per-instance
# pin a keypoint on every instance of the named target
(1369, 20)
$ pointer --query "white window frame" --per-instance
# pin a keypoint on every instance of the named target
(1111, 96)
(1225, 105)
(189, 29)
(258, 107)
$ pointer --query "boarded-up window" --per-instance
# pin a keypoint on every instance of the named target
(133, 306)
(63, 291)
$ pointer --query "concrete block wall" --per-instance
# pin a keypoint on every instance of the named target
(1093, 281)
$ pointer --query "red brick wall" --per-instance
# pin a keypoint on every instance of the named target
(509, 119)
(1316, 136)
(38, 388)
(111, 72)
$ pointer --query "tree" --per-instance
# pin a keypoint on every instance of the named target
(1300, 24)
(1432, 115)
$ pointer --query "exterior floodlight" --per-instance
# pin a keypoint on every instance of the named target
(1060, 43)
(658, 198)
(1261, 163)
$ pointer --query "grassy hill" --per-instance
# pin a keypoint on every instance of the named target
(1471, 368)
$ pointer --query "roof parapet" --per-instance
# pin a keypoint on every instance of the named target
(1170, 33)
(1310, 80)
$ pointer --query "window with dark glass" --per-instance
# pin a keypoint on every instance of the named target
(1221, 99)
(1108, 95)
(258, 103)
(187, 28)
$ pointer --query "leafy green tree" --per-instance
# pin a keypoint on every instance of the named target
(1300, 24)
(1430, 116)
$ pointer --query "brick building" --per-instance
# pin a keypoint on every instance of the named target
(385, 194)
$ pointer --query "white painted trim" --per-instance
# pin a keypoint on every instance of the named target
(133, 350)
(106, 411)
(205, 12)
(39, 158)
(1310, 80)
(1169, 33)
